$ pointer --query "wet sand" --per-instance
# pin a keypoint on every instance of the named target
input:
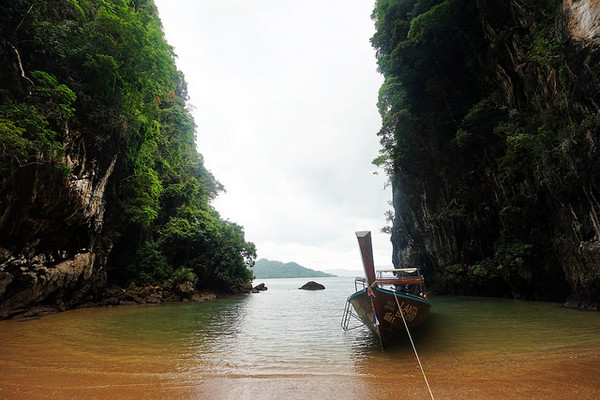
(542, 377)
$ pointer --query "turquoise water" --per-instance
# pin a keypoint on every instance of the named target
(282, 332)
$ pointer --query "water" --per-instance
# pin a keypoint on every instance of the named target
(288, 343)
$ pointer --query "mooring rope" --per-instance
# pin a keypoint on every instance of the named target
(414, 348)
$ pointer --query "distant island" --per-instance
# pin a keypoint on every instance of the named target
(265, 269)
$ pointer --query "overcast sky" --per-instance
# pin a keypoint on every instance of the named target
(284, 95)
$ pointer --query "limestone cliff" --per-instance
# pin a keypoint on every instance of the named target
(490, 137)
(100, 179)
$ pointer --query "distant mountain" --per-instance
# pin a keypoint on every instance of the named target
(264, 269)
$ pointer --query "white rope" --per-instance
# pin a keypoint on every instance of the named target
(414, 348)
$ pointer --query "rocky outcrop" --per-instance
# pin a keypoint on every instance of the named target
(152, 294)
(259, 288)
(312, 285)
(25, 283)
(240, 288)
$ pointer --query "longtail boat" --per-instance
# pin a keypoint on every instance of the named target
(387, 301)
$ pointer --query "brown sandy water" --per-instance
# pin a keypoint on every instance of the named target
(287, 343)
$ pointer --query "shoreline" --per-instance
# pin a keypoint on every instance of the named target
(134, 295)
(115, 295)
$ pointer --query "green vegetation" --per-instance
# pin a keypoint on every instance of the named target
(28, 132)
(104, 68)
(264, 269)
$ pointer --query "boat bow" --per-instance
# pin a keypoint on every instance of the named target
(387, 301)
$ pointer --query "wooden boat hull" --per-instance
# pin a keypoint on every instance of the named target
(378, 309)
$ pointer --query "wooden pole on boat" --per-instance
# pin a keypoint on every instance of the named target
(366, 251)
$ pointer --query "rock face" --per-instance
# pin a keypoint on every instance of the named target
(501, 197)
(312, 285)
(25, 283)
(50, 224)
(583, 19)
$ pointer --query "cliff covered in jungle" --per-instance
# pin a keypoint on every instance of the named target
(100, 179)
(490, 138)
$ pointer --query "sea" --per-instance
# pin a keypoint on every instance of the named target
(286, 343)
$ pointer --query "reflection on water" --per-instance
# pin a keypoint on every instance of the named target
(495, 326)
(288, 340)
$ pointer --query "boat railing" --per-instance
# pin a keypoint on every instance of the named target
(392, 277)
(359, 283)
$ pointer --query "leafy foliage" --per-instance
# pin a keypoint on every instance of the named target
(25, 136)
(104, 65)
(29, 130)
(184, 275)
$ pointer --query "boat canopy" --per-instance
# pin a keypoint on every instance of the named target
(399, 276)
(407, 270)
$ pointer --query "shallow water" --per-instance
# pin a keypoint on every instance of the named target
(288, 343)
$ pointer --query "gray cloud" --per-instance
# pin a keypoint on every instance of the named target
(284, 95)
